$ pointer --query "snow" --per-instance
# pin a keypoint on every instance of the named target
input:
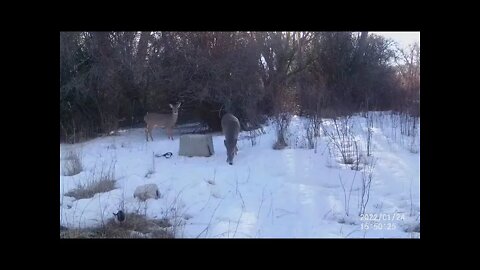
(267, 193)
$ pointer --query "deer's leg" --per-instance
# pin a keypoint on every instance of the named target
(236, 149)
(146, 132)
(150, 133)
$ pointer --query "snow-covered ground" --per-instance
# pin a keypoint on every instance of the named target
(287, 193)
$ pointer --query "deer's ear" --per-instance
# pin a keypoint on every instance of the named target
(171, 106)
(178, 106)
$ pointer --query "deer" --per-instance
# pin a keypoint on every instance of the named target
(230, 128)
(166, 121)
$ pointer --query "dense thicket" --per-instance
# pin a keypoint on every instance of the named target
(111, 79)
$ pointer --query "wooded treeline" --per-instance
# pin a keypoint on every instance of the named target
(111, 79)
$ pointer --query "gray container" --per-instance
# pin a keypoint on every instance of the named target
(196, 145)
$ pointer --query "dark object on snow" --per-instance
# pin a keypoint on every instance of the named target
(119, 216)
(166, 155)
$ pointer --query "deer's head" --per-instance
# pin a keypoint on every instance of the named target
(175, 107)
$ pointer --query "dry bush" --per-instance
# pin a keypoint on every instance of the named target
(134, 226)
(73, 163)
(104, 182)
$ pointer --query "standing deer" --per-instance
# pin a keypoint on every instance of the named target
(166, 121)
(231, 128)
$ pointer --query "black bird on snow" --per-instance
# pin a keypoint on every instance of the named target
(119, 216)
